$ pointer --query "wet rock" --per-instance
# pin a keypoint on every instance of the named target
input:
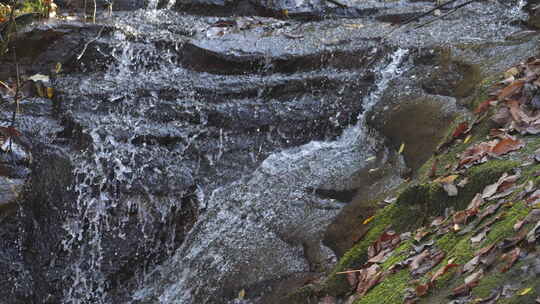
(379, 176)
(533, 9)
(10, 190)
(40, 48)
(432, 114)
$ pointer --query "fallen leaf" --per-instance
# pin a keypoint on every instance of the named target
(525, 291)
(510, 257)
(368, 278)
(483, 106)
(484, 250)
(474, 277)
(511, 72)
(511, 89)
(420, 234)
(442, 271)
(476, 202)
(368, 220)
(387, 240)
(421, 290)
(58, 68)
(460, 129)
(437, 221)
(50, 93)
(460, 217)
(401, 148)
(507, 145)
(418, 259)
(242, 294)
(464, 289)
(470, 265)
(533, 234)
(352, 278)
(39, 77)
(503, 183)
(479, 237)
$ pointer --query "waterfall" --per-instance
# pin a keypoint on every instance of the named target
(248, 221)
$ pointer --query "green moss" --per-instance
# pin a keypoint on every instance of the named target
(447, 242)
(301, 295)
(505, 227)
(336, 284)
(389, 291)
(399, 254)
(423, 201)
(496, 279)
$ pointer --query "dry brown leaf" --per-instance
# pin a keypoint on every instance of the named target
(474, 277)
(483, 106)
(476, 202)
(437, 221)
(421, 290)
(464, 289)
(418, 259)
(460, 217)
(368, 278)
(460, 129)
(502, 184)
(507, 145)
(510, 257)
(442, 271)
(511, 89)
(352, 278)
(485, 250)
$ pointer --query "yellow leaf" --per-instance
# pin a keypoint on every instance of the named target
(447, 180)
(353, 26)
(285, 13)
(58, 68)
(467, 139)
(511, 72)
(369, 219)
(50, 93)
(537, 206)
(242, 294)
(525, 291)
(370, 158)
(401, 148)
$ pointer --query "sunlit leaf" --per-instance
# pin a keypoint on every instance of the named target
(401, 148)
(368, 220)
(525, 291)
(50, 93)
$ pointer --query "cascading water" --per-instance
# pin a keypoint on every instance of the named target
(267, 219)
(182, 114)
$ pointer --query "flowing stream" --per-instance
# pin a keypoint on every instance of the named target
(200, 147)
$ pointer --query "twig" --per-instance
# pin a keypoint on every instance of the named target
(427, 13)
(88, 43)
(350, 271)
(338, 3)
(5, 85)
(455, 9)
(12, 29)
(94, 13)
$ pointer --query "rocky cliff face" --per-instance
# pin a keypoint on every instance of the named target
(183, 158)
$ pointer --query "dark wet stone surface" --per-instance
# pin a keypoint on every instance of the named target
(154, 110)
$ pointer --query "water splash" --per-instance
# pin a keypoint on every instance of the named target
(266, 216)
